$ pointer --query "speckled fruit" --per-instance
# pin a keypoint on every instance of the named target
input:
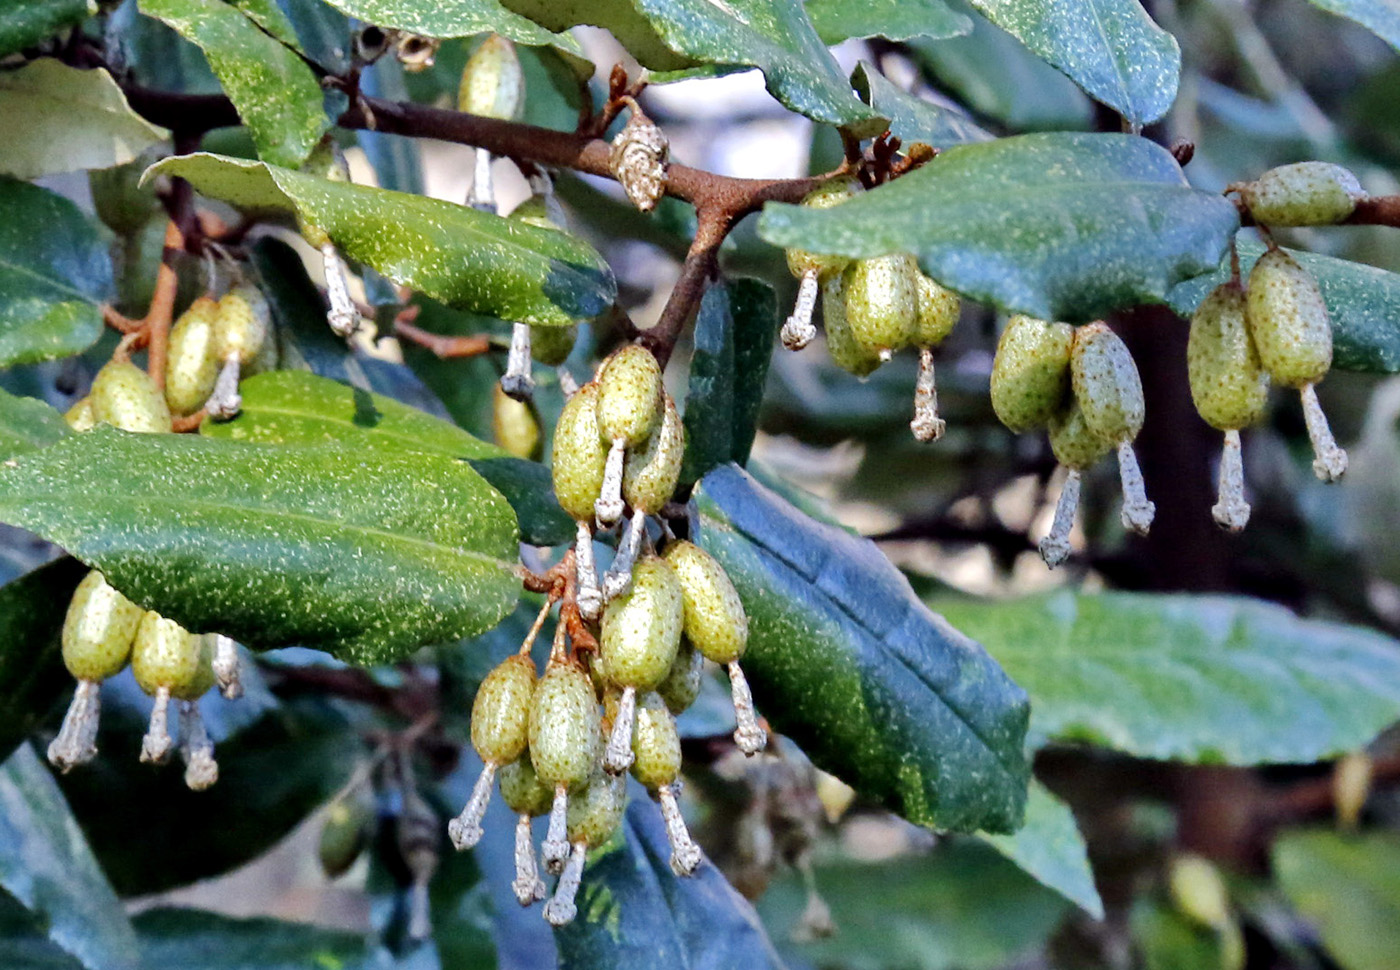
(580, 455)
(80, 416)
(1072, 441)
(629, 396)
(656, 745)
(514, 425)
(125, 397)
(493, 85)
(192, 367)
(564, 725)
(596, 812)
(522, 790)
(1288, 320)
(243, 324)
(1030, 373)
(165, 654)
(501, 711)
(650, 474)
(824, 196)
(642, 628)
(1228, 383)
(682, 683)
(1106, 384)
(551, 346)
(841, 347)
(1303, 194)
(938, 312)
(715, 621)
(98, 630)
(882, 302)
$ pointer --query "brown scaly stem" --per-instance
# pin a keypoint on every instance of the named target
(444, 347)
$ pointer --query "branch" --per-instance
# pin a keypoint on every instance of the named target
(701, 263)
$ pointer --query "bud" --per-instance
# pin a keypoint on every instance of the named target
(638, 160)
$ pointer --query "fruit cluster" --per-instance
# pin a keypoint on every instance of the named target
(213, 345)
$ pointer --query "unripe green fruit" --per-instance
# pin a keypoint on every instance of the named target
(522, 790)
(1075, 445)
(882, 302)
(80, 416)
(552, 346)
(1030, 373)
(656, 745)
(564, 725)
(715, 621)
(650, 475)
(642, 628)
(629, 396)
(501, 711)
(682, 683)
(1106, 384)
(841, 346)
(514, 425)
(118, 196)
(192, 367)
(242, 325)
(824, 196)
(541, 210)
(939, 308)
(1198, 890)
(98, 630)
(1288, 320)
(596, 812)
(580, 455)
(344, 834)
(165, 654)
(1228, 383)
(1302, 194)
(124, 396)
(493, 85)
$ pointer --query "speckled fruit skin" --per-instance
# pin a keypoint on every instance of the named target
(243, 323)
(551, 346)
(514, 426)
(882, 301)
(656, 745)
(98, 630)
(1303, 194)
(493, 85)
(642, 628)
(595, 813)
(1106, 383)
(1030, 373)
(1228, 383)
(715, 621)
(683, 680)
(125, 397)
(939, 308)
(165, 654)
(80, 416)
(522, 790)
(580, 454)
(564, 725)
(629, 396)
(501, 711)
(824, 196)
(1288, 320)
(192, 367)
(1072, 441)
(841, 347)
(650, 474)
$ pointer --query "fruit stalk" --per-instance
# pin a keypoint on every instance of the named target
(1330, 462)
(927, 425)
(156, 744)
(798, 330)
(528, 885)
(342, 316)
(76, 743)
(749, 735)
(1138, 511)
(1231, 511)
(1054, 548)
(517, 381)
(685, 854)
(201, 770)
(561, 910)
(226, 667)
(465, 830)
(618, 757)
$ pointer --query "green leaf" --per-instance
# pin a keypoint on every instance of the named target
(1364, 303)
(1170, 941)
(73, 119)
(1380, 17)
(210, 941)
(1348, 886)
(734, 332)
(27, 424)
(840, 20)
(1062, 226)
(774, 36)
(32, 675)
(961, 907)
(271, 18)
(23, 23)
(274, 545)
(846, 661)
(454, 18)
(1110, 48)
(912, 118)
(54, 275)
(1050, 848)
(45, 863)
(298, 408)
(1204, 679)
(467, 259)
(275, 92)
(632, 911)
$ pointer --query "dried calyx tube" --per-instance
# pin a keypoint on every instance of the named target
(812, 269)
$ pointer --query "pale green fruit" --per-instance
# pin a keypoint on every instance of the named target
(191, 366)
(564, 725)
(541, 210)
(345, 833)
(596, 812)
(682, 683)
(882, 302)
(580, 455)
(715, 621)
(642, 628)
(80, 416)
(1075, 445)
(1288, 320)
(165, 654)
(124, 396)
(118, 196)
(1302, 194)
(939, 308)
(514, 425)
(522, 790)
(656, 745)
(501, 711)
(1198, 890)
(650, 474)
(493, 85)
(551, 346)
(1228, 383)
(629, 396)
(98, 630)
(1030, 373)
(1106, 384)
(326, 161)
(841, 347)
(243, 324)
(824, 196)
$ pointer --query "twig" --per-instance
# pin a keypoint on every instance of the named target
(445, 347)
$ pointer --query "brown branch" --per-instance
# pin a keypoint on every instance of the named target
(473, 346)
(701, 263)
(188, 422)
(162, 308)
